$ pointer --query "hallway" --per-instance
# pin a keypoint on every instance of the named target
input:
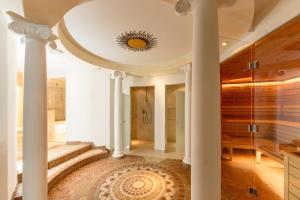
(146, 149)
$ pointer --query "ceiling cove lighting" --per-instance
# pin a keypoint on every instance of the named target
(271, 83)
(137, 41)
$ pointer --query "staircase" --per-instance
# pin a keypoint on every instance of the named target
(64, 160)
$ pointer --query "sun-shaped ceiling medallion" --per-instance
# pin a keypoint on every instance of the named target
(137, 41)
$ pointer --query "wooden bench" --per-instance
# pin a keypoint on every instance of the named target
(274, 151)
(262, 146)
(227, 144)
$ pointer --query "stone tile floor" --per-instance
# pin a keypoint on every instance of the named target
(237, 175)
(146, 149)
(84, 183)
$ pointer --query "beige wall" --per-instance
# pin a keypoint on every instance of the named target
(56, 101)
(142, 126)
(171, 110)
(56, 98)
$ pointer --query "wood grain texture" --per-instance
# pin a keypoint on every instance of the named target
(274, 107)
(291, 176)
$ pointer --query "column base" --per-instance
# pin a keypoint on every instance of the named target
(118, 155)
(186, 161)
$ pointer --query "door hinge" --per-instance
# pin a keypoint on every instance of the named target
(252, 191)
(252, 128)
(253, 65)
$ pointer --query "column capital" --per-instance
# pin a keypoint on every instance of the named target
(117, 74)
(187, 68)
(22, 26)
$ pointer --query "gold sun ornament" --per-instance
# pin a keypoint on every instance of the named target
(137, 41)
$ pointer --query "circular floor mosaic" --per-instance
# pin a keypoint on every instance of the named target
(137, 183)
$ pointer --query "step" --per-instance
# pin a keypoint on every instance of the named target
(62, 154)
(57, 173)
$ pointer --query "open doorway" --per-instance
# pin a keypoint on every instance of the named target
(56, 113)
(142, 118)
(175, 119)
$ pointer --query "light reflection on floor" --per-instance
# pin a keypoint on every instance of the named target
(237, 176)
(146, 149)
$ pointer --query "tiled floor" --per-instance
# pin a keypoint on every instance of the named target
(146, 149)
(86, 183)
(68, 165)
(237, 176)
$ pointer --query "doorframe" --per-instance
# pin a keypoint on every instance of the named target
(153, 114)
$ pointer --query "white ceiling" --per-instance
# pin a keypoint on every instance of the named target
(235, 21)
(96, 25)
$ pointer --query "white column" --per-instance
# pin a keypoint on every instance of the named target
(205, 129)
(118, 119)
(35, 121)
(160, 141)
(187, 115)
(35, 165)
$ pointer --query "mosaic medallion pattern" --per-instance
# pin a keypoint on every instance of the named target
(137, 183)
(124, 178)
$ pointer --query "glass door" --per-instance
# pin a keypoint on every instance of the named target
(237, 115)
(276, 106)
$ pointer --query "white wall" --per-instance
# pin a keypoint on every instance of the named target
(88, 99)
(159, 84)
(8, 120)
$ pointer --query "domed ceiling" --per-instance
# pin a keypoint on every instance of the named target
(97, 24)
(143, 37)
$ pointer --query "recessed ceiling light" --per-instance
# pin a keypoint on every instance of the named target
(224, 43)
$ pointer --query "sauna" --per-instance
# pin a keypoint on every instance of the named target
(260, 109)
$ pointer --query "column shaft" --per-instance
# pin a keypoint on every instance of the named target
(118, 138)
(205, 129)
(35, 166)
(187, 117)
